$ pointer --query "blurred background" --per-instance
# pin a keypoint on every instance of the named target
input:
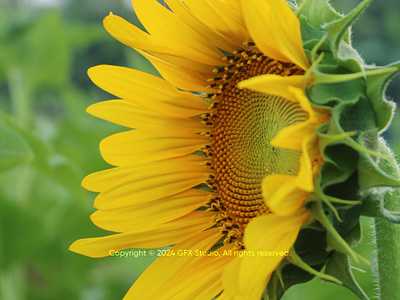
(48, 143)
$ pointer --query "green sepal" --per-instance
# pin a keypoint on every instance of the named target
(355, 116)
(373, 206)
(374, 172)
(311, 249)
(338, 266)
(290, 275)
(340, 164)
(318, 12)
(311, 246)
(376, 86)
(334, 239)
(349, 58)
(374, 201)
(338, 30)
(297, 261)
(274, 288)
(311, 35)
(350, 227)
(330, 94)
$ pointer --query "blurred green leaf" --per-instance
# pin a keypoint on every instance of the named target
(14, 150)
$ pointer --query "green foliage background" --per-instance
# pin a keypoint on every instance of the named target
(48, 143)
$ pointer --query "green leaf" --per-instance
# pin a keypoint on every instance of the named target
(339, 267)
(49, 60)
(14, 150)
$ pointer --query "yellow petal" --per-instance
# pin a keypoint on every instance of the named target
(281, 194)
(134, 37)
(136, 147)
(265, 232)
(130, 35)
(100, 181)
(305, 104)
(183, 62)
(247, 277)
(234, 280)
(274, 85)
(225, 296)
(128, 114)
(305, 177)
(276, 30)
(168, 29)
(149, 214)
(147, 91)
(292, 136)
(154, 181)
(151, 284)
(222, 17)
(160, 236)
(213, 36)
(202, 279)
(180, 77)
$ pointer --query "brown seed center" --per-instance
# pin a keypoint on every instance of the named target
(244, 123)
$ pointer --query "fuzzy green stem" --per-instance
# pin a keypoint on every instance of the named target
(387, 237)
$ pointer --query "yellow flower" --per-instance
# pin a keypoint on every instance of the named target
(225, 171)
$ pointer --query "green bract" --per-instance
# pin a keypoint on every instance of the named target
(359, 168)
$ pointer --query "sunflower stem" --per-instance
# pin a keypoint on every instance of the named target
(387, 237)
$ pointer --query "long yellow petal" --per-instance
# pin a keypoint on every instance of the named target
(134, 37)
(274, 85)
(146, 90)
(215, 37)
(225, 296)
(235, 27)
(202, 279)
(265, 232)
(128, 114)
(149, 214)
(220, 16)
(276, 30)
(130, 35)
(151, 283)
(102, 180)
(247, 277)
(136, 147)
(167, 28)
(180, 77)
(155, 237)
(154, 181)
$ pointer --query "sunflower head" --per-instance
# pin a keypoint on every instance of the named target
(259, 146)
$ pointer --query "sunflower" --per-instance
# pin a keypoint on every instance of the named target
(225, 150)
